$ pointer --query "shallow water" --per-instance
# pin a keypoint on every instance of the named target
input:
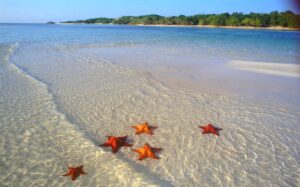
(63, 88)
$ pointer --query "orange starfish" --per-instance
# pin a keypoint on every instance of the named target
(147, 152)
(116, 143)
(144, 128)
(75, 172)
(210, 129)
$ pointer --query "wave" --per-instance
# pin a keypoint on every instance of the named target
(6, 51)
(127, 172)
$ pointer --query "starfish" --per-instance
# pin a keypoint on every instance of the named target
(75, 172)
(210, 129)
(147, 152)
(144, 128)
(116, 143)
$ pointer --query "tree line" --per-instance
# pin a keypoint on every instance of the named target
(283, 19)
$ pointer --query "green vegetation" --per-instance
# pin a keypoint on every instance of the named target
(92, 21)
(50, 22)
(283, 19)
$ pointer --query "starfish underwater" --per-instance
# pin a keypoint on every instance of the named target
(147, 152)
(144, 128)
(116, 143)
(75, 172)
(210, 129)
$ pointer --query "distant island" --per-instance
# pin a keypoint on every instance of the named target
(286, 19)
(50, 22)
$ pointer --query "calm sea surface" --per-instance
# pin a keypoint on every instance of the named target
(260, 45)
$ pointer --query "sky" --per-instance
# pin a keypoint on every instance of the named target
(41, 11)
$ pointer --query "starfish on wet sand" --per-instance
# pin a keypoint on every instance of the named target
(210, 129)
(75, 172)
(116, 143)
(144, 128)
(147, 152)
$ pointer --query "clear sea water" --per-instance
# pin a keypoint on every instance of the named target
(261, 45)
(63, 88)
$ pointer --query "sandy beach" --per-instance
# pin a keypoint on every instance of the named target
(202, 26)
(63, 96)
(226, 27)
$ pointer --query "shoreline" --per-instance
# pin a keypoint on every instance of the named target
(228, 27)
(278, 28)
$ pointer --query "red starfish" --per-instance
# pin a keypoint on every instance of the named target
(144, 128)
(210, 129)
(147, 152)
(75, 172)
(116, 143)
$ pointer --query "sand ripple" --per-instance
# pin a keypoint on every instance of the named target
(81, 98)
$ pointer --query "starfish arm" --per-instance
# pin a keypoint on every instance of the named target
(114, 149)
(67, 174)
(105, 144)
(146, 146)
(215, 133)
(81, 170)
(152, 155)
(149, 132)
(137, 151)
(123, 137)
(127, 144)
(135, 127)
(155, 149)
(141, 157)
(138, 132)
(74, 176)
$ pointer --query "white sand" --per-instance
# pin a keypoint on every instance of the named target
(84, 98)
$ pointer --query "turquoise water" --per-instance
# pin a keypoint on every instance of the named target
(260, 45)
(63, 88)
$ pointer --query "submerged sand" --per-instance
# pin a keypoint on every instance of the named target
(288, 70)
(84, 97)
